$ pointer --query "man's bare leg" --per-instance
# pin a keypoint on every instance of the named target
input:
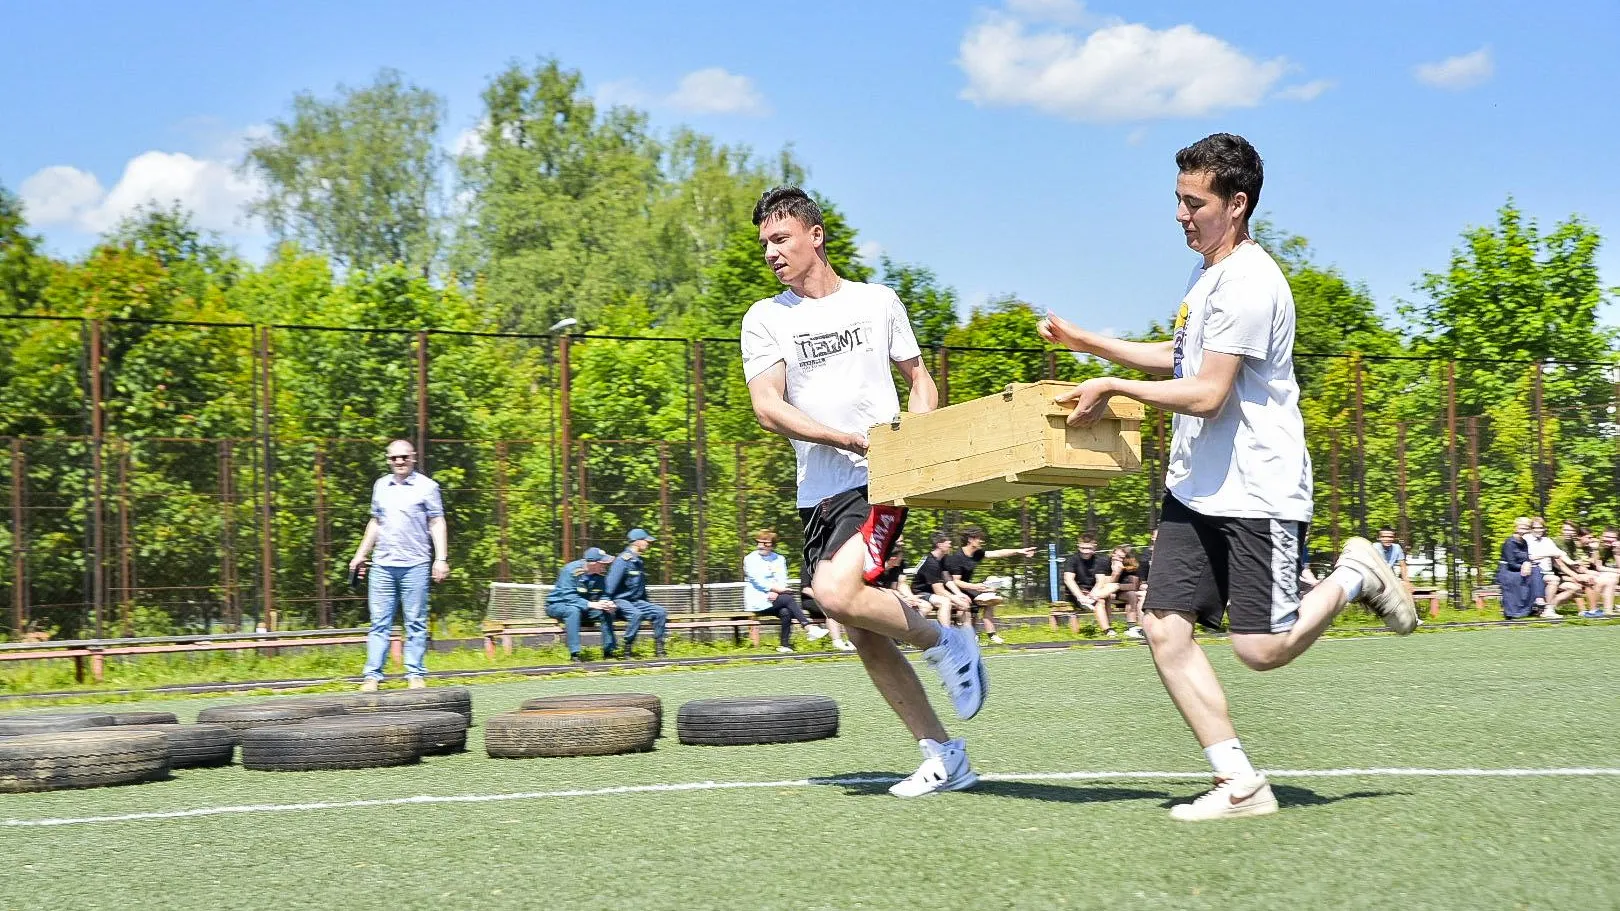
(1265, 651)
(1188, 676)
(873, 618)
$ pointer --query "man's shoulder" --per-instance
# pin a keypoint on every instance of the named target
(628, 556)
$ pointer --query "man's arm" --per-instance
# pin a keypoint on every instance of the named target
(367, 541)
(1157, 358)
(615, 578)
(1201, 395)
(439, 530)
(768, 391)
(1009, 552)
(924, 395)
(1070, 583)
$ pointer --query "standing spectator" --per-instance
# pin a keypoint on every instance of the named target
(1557, 575)
(767, 590)
(1393, 554)
(933, 583)
(1516, 575)
(965, 562)
(627, 586)
(407, 529)
(1080, 574)
(580, 594)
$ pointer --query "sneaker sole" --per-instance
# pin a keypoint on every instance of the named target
(1259, 809)
(1367, 558)
(960, 784)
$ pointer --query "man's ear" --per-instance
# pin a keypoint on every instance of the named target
(818, 236)
(1240, 204)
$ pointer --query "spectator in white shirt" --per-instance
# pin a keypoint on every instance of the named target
(768, 590)
(1556, 571)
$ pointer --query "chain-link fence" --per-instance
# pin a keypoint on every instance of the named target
(168, 477)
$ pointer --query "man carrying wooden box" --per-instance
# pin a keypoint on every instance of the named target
(1238, 478)
(816, 358)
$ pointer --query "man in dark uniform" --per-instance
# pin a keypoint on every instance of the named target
(578, 595)
(627, 586)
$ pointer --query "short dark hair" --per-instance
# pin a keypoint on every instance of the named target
(788, 202)
(938, 538)
(1384, 528)
(1088, 538)
(969, 532)
(1234, 167)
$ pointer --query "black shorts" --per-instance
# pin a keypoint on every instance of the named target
(1213, 566)
(830, 524)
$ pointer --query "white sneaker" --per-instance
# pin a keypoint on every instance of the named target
(944, 768)
(844, 645)
(1111, 634)
(1550, 614)
(1136, 633)
(815, 633)
(956, 657)
(995, 639)
(1381, 590)
(786, 649)
(368, 685)
(1247, 795)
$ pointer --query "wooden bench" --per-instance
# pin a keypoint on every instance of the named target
(519, 609)
(94, 652)
(1065, 612)
(1435, 596)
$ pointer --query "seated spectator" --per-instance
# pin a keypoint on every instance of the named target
(932, 582)
(1519, 578)
(1394, 554)
(1605, 556)
(767, 590)
(580, 594)
(1080, 574)
(627, 586)
(1121, 582)
(1599, 585)
(1558, 576)
(965, 562)
(894, 579)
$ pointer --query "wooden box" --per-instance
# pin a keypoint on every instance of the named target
(1000, 447)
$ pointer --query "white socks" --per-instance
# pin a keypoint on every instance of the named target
(1228, 759)
(1348, 578)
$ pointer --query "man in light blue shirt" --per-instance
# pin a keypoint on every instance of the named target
(407, 529)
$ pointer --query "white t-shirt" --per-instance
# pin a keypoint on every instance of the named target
(1543, 549)
(762, 572)
(1249, 460)
(837, 350)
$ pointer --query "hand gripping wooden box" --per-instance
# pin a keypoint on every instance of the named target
(1000, 447)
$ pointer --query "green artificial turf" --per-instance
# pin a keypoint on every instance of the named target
(1543, 698)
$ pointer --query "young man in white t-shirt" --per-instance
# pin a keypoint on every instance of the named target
(1238, 480)
(816, 358)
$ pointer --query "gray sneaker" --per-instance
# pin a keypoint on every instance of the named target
(1382, 590)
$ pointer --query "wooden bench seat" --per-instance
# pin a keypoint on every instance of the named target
(98, 650)
(504, 632)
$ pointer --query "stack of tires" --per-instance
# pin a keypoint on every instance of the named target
(50, 751)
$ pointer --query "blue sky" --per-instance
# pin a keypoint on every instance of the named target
(1020, 146)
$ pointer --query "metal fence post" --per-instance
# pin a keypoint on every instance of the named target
(421, 400)
(323, 599)
(98, 578)
(702, 442)
(1454, 536)
(19, 544)
(564, 387)
(503, 569)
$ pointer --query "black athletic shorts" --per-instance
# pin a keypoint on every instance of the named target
(1213, 566)
(828, 525)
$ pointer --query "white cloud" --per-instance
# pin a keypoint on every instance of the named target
(1307, 91)
(210, 189)
(715, 91)
(469, 142)
(1456, 73)
(59, 194)
(1118, 72)
(869, 251)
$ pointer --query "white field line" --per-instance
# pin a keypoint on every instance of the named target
(426, 799)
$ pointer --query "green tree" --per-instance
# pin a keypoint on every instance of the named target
(24, 272)
(356, 177)
(931, 306)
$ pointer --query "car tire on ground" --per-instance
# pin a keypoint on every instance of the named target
(735, 721)
(52, 722)
(193, 745)
(242, 718)
(331, 743)
(433, 699)
(127, 719)
(81, 759)
(601, 701)
(569, 732)
(442, 732)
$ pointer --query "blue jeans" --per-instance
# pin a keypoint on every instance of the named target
(388, 588)
(636, 611)
(572, 615)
